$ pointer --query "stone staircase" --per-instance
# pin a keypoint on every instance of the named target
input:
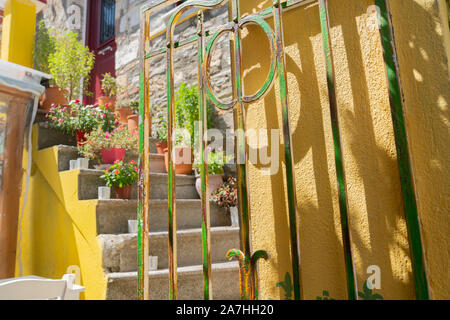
(119, 248)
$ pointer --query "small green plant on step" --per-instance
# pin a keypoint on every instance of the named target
(287, 286)
(109, 85)
(121, 174)
(368, 294)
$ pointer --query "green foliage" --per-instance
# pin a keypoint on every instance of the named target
(99, 139)
(70, 64)
(287, 286)
(134, 105)
(216, 161)
(161, 129)
(187, 109)
(45, 45)
(79, 116)
(325, 296)
(368, 294)
(121, 174)
(109, 85)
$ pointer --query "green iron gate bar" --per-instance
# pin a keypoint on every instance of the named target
(247, 261)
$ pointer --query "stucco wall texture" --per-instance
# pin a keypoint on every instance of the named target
(376, 216)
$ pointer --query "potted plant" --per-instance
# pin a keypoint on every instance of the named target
(80, 119)
(216, 162)
(109, 88)
(121, 176)
(226, 195)
(45, 45)
(186, 114)
(108, 146)
(70, 65)
(182, 154)
(123, 110)
(133, 120)
(161, 134)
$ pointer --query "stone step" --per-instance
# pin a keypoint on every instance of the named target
(120, 251)
(225, 283)
(113, 215)
(89, 181)
(48, 137)
(67, 153)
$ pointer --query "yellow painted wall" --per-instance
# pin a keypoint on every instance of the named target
(58, 230)
(18, 29)
(376, 214)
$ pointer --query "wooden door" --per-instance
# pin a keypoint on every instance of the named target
(100, 38)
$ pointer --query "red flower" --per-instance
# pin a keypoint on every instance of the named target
(136, 169)
(107, 106)
(116, 171)
(132, 162)
(84, 102)
(117, 161)
(77, 101)
(107, 170)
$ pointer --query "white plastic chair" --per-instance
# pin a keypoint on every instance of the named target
(37, 288)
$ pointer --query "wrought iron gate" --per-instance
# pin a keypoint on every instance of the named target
(247, 259)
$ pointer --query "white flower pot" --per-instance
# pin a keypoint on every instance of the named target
(104, 193)
(132, 226)
(153, 263)
(215, 181)
(82, 163)
(73, 164)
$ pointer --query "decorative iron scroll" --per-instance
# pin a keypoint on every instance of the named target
(247, 260)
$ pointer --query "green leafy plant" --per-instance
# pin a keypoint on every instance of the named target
(70, 64)
(226, 196)
(187, 110)
(99, 139)
(216, 161)
(82, 117)
(45, 45)
(109, 85)
(134, 105)
(161, 128)
(368, 293)
(325, 296)
(121, 174)
(287, 286)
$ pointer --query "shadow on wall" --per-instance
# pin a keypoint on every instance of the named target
(376, 215)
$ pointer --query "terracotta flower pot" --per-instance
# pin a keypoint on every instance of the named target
(161, 146)
(53, 95)
(122, 114)
(81, 136)
(124, 192)
(111, 101)
(182, 160)
(215, 181)
(111, 155)
(133, 123)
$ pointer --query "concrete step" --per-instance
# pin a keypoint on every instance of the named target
(225, 283)
(120, 251)
(89, 181)
(113, 215)
(67, 153)
(50, 137)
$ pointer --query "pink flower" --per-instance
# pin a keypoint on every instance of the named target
(107, 106)
(103, 116)
(84, 102)
(61, 120)
(54, 119)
